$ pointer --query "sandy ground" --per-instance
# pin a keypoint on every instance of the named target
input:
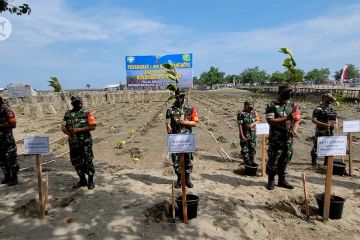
(131, 199)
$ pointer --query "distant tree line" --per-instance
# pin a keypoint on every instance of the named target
(257, 75)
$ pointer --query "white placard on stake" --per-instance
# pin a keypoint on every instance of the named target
(181, 143)
(331, 146)
(262, 129)
(351, 126)
(36, 144)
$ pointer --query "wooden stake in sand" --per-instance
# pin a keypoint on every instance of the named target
(328, 185)
(36, 145)
(263, 130)
(330, 147)
(350, 152)
(180, 144)
(173, 200)
(183, 187)
(40, 185)
(351, 127)
(46, 192)
(263, 155)
(307, 210)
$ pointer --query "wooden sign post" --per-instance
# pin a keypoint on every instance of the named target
(328, 187)
(183, 188)
(36, 145)
(350, 127)
(40, 186)
(263, 130)
(330, 147)
(180, 144)
(307, 210)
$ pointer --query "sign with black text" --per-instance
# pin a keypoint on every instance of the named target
(351, 126)
(331, 146)
(181, 143)
(262, 129)
(36, 145)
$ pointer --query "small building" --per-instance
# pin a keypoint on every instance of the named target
(20, 90)
(112, 87)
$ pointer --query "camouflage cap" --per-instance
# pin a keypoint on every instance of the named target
(180, 92)
(329, 95)
(285, 88)
(75, 98)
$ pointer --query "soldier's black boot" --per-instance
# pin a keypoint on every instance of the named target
(90, 183)
(13, 179)
(6, 179)
(252, 161)
(188, 182)
(247, 162)
(178, 181)
(283, 183)
(271, 182)
(81, 183)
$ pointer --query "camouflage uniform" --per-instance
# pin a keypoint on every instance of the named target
(323, 114)
(81, 154)
(280, 149)
(248, 146)
(173, 115)
(8, 161)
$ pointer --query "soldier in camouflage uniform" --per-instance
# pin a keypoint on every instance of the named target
(247, 119)
(181, 118)
(283, 118)
(8, 161)
(325, 119)
(77, 124)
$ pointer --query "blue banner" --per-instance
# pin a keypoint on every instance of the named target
(147, 72)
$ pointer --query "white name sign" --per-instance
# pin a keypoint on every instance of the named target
(262, 129)
(36, 145)
(351, 126)
(331, 146)
(181, 143)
